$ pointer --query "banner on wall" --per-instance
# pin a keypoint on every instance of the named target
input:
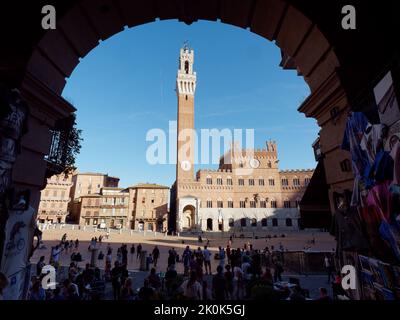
(385, 97)
(19, 231)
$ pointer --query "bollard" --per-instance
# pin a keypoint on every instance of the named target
(93, 258)
(143, 256)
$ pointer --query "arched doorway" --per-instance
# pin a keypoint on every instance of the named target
(189, 217)
(209, 224)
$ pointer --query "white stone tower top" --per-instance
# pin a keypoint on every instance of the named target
(186, 78)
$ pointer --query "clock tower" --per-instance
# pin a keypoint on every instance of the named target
(185, 89)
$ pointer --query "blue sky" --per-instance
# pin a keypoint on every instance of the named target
(125, 87)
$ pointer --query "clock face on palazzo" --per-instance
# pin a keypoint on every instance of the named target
(186, 165)
(254, 163)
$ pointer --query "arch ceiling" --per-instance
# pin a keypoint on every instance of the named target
(307, 31)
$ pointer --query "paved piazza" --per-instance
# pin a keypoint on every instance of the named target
(292, 241)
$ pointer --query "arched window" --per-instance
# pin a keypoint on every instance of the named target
(254, 222)
(289, 222)
(187, 67)
(274, 222)
(264, 222)
(231, 222)
(243, 222)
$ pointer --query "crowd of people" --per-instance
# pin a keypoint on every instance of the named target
(228, 274)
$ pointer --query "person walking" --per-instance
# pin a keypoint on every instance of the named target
(221, 257)
(229, 281)
(124, 253)
(156, 255)
(186, 256)
(278, 270)
(138, 250)
(116, 275)
(329, 269)
(207, 260)
(132, 251)
(40, 266)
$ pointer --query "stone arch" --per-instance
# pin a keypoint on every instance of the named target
(82, 27)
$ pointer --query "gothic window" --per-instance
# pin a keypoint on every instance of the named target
(286, 204)
(296, 182)
(263, 204)
(289, 222)
(209, 204)
(274, 222)
(242, 204)
(273, 204)
(252, 204)
(230, 204)
(285, 182)
(271, 182)
(261, 182)
(220, 204)
(241, 182)
(251, 182)
(254, 222)
(209, 180)
(243, 222)
(229, 182)
(219, 181)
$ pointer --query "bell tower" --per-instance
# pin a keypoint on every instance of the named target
(185, 89)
